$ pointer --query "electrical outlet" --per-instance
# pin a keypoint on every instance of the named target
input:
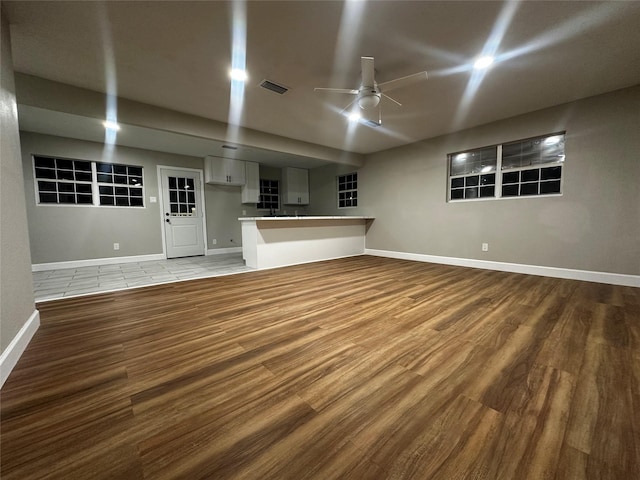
(214, 241)
(485, 247)
(116, 246)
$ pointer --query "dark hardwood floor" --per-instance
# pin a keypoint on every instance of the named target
(359, 368)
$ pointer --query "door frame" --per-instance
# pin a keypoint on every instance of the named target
(161, 203)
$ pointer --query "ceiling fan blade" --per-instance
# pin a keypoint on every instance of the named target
(368, 72)
(402, 82)
(389, 98)
(337, 90)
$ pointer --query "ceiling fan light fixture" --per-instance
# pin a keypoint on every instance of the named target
(368, 101)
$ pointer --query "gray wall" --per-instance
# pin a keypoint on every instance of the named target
(223, 205)
(16, 287)
(324, 190)
(64, 233)
(594, 225)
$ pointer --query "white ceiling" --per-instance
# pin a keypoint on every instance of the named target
(177, 55)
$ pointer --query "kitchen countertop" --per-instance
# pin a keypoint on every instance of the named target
(305, 217)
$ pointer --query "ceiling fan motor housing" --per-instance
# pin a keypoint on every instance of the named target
(369, 99)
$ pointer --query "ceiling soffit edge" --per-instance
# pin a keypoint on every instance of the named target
(55, 96)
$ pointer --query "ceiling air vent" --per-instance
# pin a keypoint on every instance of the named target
(274, 87)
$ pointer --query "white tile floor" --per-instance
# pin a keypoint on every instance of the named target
(73, 282)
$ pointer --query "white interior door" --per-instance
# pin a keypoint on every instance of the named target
(182, 213)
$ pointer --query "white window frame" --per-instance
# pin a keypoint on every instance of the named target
(61, 181)
(500, 173)
(347, 190)
(131, 184)
(260, 194)
(95, 184)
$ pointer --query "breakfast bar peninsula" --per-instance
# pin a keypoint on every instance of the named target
(269, 242)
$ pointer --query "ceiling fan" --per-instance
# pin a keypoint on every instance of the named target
(369, 94)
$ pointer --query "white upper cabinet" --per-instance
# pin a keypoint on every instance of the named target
(251, 188)
(295, 186)
(224, 171)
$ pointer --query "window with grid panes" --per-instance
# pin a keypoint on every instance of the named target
(182, 196)
(348, 190)
(473, 173)
(63, 181)
(269, 198)
(83, 182)
(527, 167)
(533, 166)
(120, 185)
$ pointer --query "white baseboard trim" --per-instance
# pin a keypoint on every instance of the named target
(568, 273)
(14, 350)
(39, 267)
(220, 251)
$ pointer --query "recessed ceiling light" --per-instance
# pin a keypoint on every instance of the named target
(111, 125)
(354, 117)
(238, 74)
(483, 62)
